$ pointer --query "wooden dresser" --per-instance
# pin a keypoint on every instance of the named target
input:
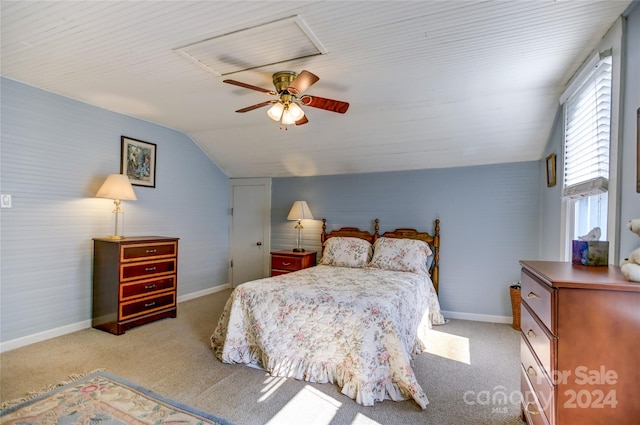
(288, 261)
(134, 281)
(580, 345)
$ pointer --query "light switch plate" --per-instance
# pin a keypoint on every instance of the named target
(5, 201)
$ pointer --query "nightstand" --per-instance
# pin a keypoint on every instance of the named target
(288, 261)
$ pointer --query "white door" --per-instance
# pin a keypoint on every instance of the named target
(250, 229)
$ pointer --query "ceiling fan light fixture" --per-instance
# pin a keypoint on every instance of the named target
(276, 111)
(296, 111)
(288, 116)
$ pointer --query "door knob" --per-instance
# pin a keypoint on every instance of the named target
(259, 243)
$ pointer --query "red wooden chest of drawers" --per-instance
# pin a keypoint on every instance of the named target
(134, 281)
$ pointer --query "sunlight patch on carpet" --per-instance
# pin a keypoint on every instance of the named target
(308, 403)
(272, 383)
(449, 346)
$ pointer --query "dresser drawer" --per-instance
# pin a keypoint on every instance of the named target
(540, 298)
(146, 287)
(543, 345)
(148, 250)
(286, 263)
(148, 305)
(530, 403)
(538, 380)
(147, 269)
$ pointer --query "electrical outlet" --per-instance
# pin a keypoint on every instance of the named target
(5, 201)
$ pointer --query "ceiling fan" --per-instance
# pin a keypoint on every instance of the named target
(289, 87)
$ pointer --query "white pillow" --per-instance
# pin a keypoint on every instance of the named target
(404, 255)
(346, 252)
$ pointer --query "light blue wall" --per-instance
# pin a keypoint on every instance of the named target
(55, 154)
(489, 221)
(551, 197)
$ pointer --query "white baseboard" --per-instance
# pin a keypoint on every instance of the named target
(477, 317)
(85, 324)
(43, 336)
(204, 292)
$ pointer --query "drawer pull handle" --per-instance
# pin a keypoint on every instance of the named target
(150, 251)
(532, 412)
(532, 295)
(286, 264)
(149, 269)
(150, 286)
(531, 371)
(531, 333)
(147, 305)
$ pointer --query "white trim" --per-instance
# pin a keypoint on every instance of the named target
(86, 324)
(477, 317)
(198, 294)
(578, 78)
(43, 336)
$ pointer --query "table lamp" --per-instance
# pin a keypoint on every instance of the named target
(117, 187)
(299, 211)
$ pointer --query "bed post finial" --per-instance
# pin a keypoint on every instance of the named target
(376, 227)
(323, 236)
(435, 275)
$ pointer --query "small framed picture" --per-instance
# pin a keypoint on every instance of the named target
(138, 161)
(551, 170)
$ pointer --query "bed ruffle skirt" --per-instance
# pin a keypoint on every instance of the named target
(364, 393)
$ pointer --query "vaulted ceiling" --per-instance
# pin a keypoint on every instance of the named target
(431, 84)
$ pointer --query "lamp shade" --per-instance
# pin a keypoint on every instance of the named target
(275, 112)
(117, 186)
(295, 111)
(300, 211)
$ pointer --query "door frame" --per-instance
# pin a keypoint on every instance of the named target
(266, 223)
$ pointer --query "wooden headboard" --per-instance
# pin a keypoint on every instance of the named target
(349, 232)
(433, 240)
(354, 232)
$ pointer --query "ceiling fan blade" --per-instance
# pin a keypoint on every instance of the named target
(248, 86)
(303, 81)
(302, 120)
(256, 106)
(323, 103)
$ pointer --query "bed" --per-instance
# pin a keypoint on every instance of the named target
(355, 320)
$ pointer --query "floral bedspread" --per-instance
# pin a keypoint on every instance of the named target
(356, 327)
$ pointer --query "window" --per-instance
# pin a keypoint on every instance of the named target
(586, 149)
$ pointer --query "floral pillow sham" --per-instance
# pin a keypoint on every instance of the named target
(405, 255)
(346, 252)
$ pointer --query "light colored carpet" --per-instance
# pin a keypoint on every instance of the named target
(472, 364)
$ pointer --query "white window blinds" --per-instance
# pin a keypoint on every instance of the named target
(587, 133)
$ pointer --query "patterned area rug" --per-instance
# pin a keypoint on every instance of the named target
(102, 398)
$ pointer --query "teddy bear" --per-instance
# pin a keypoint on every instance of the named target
(630, 267)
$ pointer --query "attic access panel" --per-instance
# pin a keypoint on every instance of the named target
(267, 44)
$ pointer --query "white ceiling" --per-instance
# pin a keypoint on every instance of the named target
(431, 84)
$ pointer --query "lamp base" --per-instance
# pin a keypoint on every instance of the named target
(298, 249)
(115, 237)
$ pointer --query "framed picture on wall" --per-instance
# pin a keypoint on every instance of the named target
(551, 170)
(138, 161)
